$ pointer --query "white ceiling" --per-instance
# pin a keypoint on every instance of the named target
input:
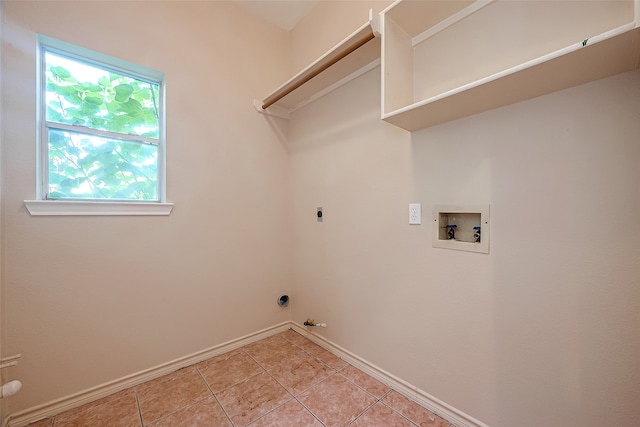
(283, 13)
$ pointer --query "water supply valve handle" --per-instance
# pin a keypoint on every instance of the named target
(451, 233)
(476, 235)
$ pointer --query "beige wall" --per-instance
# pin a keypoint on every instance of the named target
(328, 24)
(92, 299)
(543, 330)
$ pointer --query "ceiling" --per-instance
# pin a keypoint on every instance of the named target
(283, 13)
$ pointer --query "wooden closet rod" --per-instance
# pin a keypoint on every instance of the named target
(316, 69)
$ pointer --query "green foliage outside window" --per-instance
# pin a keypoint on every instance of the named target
(103, 132)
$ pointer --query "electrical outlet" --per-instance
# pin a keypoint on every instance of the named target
(415, 213)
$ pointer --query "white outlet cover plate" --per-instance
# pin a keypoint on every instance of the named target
(415, 213)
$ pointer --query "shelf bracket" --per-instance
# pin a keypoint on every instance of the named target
(374, 23)
(273, 110)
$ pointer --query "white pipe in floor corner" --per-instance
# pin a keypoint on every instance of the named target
(10, 388)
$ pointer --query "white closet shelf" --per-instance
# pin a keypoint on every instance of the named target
(354, 55)
(445, 60)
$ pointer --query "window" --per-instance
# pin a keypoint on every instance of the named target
(101, 135)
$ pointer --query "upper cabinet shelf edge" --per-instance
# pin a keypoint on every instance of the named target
(443, 60)
(336, 66)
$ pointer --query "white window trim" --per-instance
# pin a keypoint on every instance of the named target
(72, 207)
(43, 206)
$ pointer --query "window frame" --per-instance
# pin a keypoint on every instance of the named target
(44, 206)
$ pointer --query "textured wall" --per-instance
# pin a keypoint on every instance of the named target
(540, 331)
(92, 299)
(543, 330)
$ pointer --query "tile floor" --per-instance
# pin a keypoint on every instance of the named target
(284, 380)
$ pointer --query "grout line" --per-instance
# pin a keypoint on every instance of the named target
(241, 350)
(242, 380)
(214, 396)
(310, 411)
(280, 384)
(135, 393)
(387, 393)
(195, 402)
(341, 373)
(391, 389)
(274, 409)
(363, 412)
(413, 398)
(413, 423)
(362, 388)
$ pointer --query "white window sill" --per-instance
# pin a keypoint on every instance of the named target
(67, 207)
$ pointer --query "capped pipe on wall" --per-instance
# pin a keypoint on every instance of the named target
(311, 322)
(10, 388)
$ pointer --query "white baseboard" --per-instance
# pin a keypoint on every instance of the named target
(424, 399)
(25, 417)
(438, 407)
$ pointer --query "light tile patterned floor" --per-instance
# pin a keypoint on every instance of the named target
(284, 380)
